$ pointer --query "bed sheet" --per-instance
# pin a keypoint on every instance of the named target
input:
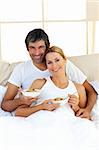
(46, 130)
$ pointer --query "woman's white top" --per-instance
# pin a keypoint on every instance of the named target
(51, 91)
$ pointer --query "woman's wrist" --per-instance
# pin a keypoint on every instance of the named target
(76, 108)
(40, 107)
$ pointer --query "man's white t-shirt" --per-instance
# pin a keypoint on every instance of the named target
(74, 73)
(25, 73)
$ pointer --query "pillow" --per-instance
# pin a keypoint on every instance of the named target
(95, 113)
(88, 64)
(2, 92)
(95, 110)
(95, 85)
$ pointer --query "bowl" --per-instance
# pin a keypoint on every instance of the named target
(61, 101)
(33, 93)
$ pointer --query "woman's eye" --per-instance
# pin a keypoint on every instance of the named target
(49, 62)
(57, 60)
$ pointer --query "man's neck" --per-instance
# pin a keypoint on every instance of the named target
(41, 66)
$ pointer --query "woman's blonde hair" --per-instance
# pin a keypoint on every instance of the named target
(57, 50)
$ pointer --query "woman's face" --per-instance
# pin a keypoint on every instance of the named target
(55, 62)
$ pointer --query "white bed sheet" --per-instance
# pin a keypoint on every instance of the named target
(44, 130)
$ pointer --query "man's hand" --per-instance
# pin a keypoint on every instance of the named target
(27, 100)
(83, 113)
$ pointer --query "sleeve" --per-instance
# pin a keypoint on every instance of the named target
(74, 73)
(16, 76)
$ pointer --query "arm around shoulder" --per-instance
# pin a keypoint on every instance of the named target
(91, 95)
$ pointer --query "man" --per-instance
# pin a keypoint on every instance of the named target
(37, 42)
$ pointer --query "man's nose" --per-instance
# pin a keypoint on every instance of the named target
(37, 51)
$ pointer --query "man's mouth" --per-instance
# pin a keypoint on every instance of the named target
(37, 57)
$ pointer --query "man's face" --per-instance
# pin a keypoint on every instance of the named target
(37, 51)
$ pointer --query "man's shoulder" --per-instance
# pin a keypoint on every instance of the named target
(69, 62)
(24, 64)
(69, 66)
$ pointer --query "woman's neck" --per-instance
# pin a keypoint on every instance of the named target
(60, 81)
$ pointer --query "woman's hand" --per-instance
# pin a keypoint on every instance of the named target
(50, 105)
(73, 102)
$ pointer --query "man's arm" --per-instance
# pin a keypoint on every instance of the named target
(91, 99)
(10, 103)
(77, 76)
(7, 103)
(91, 95)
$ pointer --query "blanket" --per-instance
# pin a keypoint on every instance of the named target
(45, 130)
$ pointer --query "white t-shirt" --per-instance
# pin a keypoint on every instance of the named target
(74, 73)
(24, 74)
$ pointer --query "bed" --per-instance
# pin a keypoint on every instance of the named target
(57, 130)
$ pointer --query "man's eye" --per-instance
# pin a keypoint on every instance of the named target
(31, 47)
(41, 47)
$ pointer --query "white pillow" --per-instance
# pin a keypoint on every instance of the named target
(2, 92)
(95, 85)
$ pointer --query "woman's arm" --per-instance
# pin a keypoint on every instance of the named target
(25, 111)
(82, 95)
(79, 100)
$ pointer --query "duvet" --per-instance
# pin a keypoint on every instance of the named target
(45, 130)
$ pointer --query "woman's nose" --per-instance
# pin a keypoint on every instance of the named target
(54, 66)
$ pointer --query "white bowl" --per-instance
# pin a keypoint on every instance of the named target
(32, 93)
(61, 102)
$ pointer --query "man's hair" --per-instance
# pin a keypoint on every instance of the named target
(37, 35)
